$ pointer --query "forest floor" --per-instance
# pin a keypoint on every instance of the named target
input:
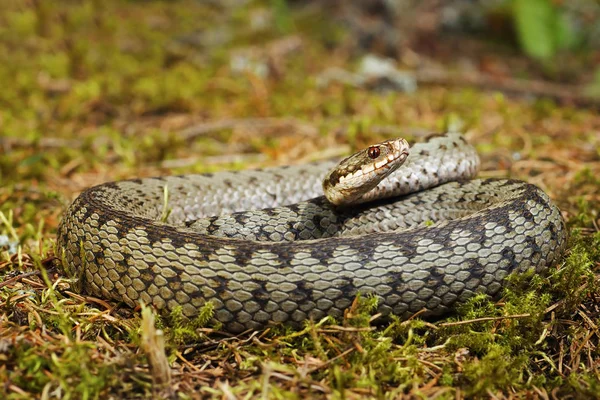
(98, 91)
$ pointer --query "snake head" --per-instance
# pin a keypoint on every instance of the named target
(363, 170)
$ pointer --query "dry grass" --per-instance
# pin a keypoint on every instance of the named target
(97, 91)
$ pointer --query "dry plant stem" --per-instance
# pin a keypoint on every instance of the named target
(18, 277)
(563, 94)
(471, 321)
(211, 127)
(62, 133)
(153, 344)
(331, 360)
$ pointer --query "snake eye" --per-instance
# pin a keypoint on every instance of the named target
(373, 152)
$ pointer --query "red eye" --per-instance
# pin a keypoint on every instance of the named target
(373, 152)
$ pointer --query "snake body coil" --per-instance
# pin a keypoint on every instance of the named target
(430, 242)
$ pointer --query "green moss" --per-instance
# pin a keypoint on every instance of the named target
(119, 80)
(576, 281)
(495, 370)
(70, 369)
(179, 329)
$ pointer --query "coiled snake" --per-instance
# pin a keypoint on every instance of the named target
(433, 240)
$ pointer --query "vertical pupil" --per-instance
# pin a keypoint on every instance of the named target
(373, 152)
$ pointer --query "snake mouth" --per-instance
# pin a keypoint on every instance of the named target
(390, 161)
(362, 172)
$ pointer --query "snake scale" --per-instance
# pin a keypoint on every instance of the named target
(265, 246)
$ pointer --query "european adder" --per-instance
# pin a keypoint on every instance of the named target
(434, 238)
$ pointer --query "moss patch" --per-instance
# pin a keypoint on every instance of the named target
(103, 90)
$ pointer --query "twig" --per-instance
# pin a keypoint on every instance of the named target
(18, 277)
(44, 143)
(342, 354)
(287, 378)
(153, 344)
(430, 364)
(215, 126)
(562, 301)
(588, 320)
(563, 94)
(484, 319)
(214, 160)
(90, 299)
(337, 328)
